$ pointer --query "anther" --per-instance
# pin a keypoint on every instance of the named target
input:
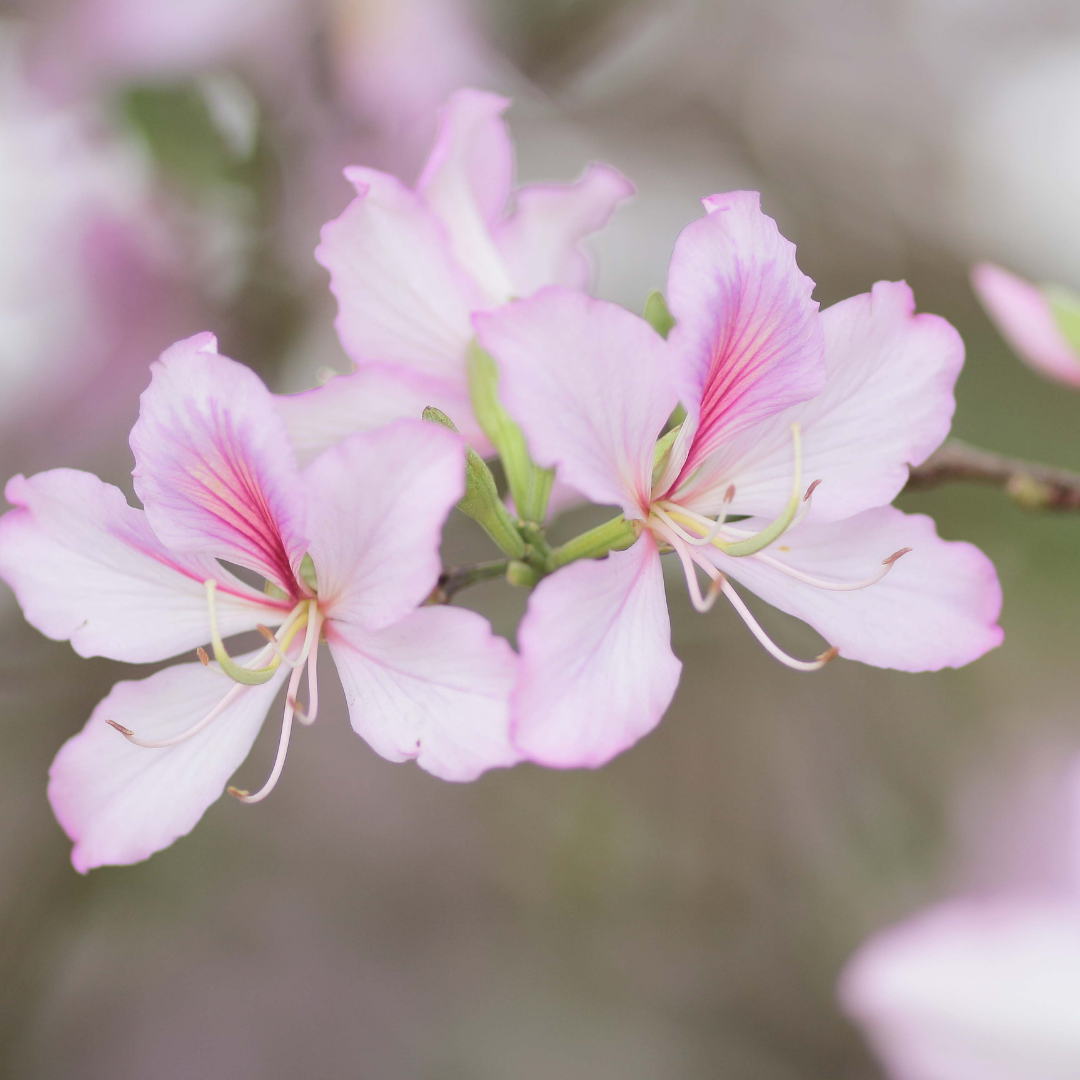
(237, 793)
(829, 654)
(200, 652)
(810, 490)
(894, 556)
(126, 732)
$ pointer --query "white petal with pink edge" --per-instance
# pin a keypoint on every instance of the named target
(588, 382)
(937, 607)
(119, 802)
(376, 504)
(432, 687)
(85, 566)
(597, 670)
(887, 403)
(213, 464)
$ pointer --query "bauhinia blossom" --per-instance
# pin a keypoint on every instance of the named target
(348, 549)
(1041, 324)
(976, 988)
(409, 267)
(781, 403)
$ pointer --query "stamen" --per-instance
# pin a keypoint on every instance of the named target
(714, 527)
(834, 586)
(270, 636)
(313, 678)
(247, 676)
(161, 744)
(311, 639)
(701, 603)
(200, 652)
(770, 646)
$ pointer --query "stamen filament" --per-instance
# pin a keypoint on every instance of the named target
(686, 558)
(247, 676)
(769, 645)
(312, 712)
(834, 586)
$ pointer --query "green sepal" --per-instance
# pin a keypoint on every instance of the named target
(657, 314)
(481, 500)
(1065, 305)
(308, 575)
(530, 486)
(614, 535)
(662, 450)
(522, 574)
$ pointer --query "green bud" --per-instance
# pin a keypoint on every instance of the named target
(522, 574)
(1065, 304)
(481, 499)
(657, 314)
(662, 450)
(614, 535)
(530, 486)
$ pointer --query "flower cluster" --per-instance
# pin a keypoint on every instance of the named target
(736, 427)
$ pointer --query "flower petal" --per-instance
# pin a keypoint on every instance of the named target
(938, 606)
(973, 988)
(377, 503)
(597, 670)
(466, 181)
(87, 567)
(402, 297)
(1024, 317)
(213, 464)
(369, 399)
(887, 404)
(588, 383)
(747, 340)
(540, 241)
(119, 802)
(433, 687)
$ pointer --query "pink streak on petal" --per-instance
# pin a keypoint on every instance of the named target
(597, 670)
(377, 503)
(119, 802)
(87, 567)
(432, 687)
(1026, 321)
(541, 241)
(747, 341)
(589, 384)
(938, 606)
(214, 467)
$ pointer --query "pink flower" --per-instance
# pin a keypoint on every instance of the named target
(348, 549)
(410, 267)
(1033, 321)
(774, 392)
(977, 988)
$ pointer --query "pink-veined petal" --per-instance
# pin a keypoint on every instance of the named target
(467, 180)
(87, 567)
(119, 802)
(377, 503)
(432, 687)
(369, 399)
(973, 990)
(402, 298)
(1024, 316)
(589, 384)
(938, 606)
(213, 464)
(887, 404)
(541, 241)
(747, 341)
(597, 670)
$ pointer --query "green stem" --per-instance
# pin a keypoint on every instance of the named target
(453, 581)
(614, 535)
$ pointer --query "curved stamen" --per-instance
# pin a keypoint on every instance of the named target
(714, 527)
(275, 645)
(312, 712)
(161, 744)
(770, 646)
(701, 603)
(247, 676)
(310, 639)
(834, 586)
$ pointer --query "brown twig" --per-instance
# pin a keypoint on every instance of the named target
(1032, 486)
(461, 577)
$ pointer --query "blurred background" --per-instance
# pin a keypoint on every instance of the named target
(165, 166)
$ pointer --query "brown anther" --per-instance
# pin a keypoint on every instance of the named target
(894, 556)
(810, 490)
(238, 793)
(204, 659)
(120, 727)
(299, 712)
(265, 631)
(729, 495)
(829, 654)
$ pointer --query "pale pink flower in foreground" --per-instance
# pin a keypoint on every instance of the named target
(348, 547)
(1024, 313)
(977, 988)
(866, 387)
(409, 267)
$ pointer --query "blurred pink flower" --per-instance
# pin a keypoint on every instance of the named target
(977, 988)
(348, 548)
(410, 267)
(867, 387)
(1024, 315)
